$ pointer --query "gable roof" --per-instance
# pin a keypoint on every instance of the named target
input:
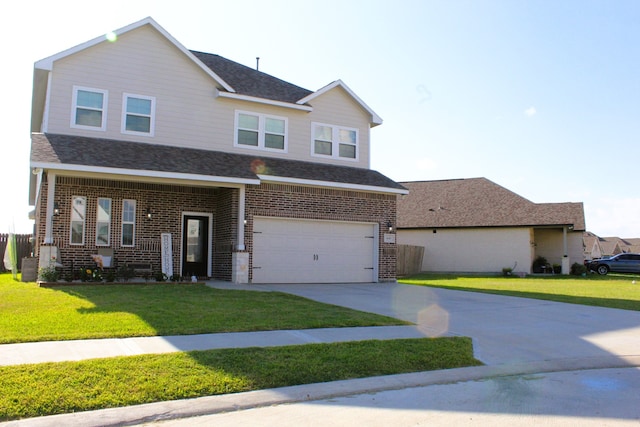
(479, 202)
(375, 119)
(47, 63)
(75, 154)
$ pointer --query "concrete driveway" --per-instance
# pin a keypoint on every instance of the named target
(506, 330)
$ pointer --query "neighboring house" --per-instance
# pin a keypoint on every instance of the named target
(615, 245)
(592, 248)
(184, 161)
(475, 225)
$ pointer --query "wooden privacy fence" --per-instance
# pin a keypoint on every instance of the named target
(409, 260)
(24, 248)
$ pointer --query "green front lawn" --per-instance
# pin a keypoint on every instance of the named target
(614, 291)
(30, 313)
(53, 388)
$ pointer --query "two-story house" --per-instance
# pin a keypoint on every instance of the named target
(196, 165)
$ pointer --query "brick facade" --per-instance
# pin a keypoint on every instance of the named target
(291, 201)
(168, 202)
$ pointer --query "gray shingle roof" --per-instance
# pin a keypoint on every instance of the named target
(248, 81)
(478, 202)
(65, 150)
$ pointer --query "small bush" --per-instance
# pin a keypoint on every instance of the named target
(160, 276)
(578, 269)
(538, 264)
(125, 273)
(48, 274)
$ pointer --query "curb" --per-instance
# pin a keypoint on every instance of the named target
(161, 411)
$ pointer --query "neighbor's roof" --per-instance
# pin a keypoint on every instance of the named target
(94, 155)
(479, 202)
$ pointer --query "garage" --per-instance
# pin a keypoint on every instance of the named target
(312, 251)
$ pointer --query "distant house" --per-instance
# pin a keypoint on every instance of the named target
(146, 153)
(602, 247)
(475, 225)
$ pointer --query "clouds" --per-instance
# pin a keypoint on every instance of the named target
(530, 112)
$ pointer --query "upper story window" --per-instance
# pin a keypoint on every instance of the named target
(260, 131)
(138, 114)
(89, 109)
(103, 222)
(78, 217)
(334, 141)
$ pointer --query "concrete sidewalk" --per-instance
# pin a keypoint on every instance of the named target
(60, 351)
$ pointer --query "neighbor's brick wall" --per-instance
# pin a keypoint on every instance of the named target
(167, 202)
(291, 201)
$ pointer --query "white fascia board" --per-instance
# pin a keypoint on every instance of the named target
(338, 185)
(264, 101)
(375, 119)
(61, 169)
(47, 63)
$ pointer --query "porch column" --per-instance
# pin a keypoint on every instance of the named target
(241, 213)
(240, 258)
(51, 191)
(566, 264)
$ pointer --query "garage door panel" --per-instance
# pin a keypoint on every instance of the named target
(305, 251)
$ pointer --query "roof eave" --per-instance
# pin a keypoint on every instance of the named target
(258, 100)
(330, 184)
(77, 170)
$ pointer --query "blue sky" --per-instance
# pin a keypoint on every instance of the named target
(541, 97)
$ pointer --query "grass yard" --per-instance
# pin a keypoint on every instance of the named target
(54, 388)
(613, 290)
(30, 313)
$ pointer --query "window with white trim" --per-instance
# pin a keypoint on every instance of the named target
(89, 108)
(334, 141)
(260, 131)
(138, 114)
(78, 217)
(128, 222)
(103, 222)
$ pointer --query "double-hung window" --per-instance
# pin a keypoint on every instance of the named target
(103, 222)
(78, 218)
(334, 141)
(260, 131)
(128, 222)
(89, 110)
(138, 114)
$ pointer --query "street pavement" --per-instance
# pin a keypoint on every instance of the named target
(545, 362)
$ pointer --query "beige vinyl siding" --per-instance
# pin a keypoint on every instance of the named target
(140, 62)
(188, 112)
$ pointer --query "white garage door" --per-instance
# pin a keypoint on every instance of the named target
(304, 251)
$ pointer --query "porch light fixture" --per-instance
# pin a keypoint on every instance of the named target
(390, 226)
(56, 209)
(149, 214)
